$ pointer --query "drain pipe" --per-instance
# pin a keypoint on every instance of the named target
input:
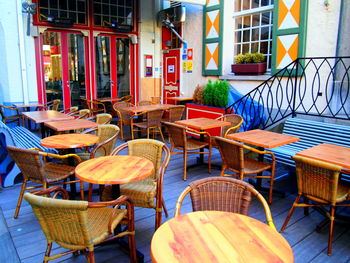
(22, 55)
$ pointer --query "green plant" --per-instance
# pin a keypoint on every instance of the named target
(249, 58)
(209, 94)
(216, 94)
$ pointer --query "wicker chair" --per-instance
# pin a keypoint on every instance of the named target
(319, 181)
(180, 140)
(17, 117)
(175, 113)
(127, 98)
(37, 170)
(144, 103)
(143, 192)
(84, 114)
(102, 118)
(152, 123)
(51, 105)
(96, 107)
(223, 194)
(232, 154)
(80, 225)
(124, 117)
(71, 110)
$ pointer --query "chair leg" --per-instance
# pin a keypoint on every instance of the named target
(161, 134)
(147, 133)
(47, 252)
(223, 169)
(90, 192)
(271, 191)
(158, 217)
(331, 230)
(121, 131)
(185, 165)
(20, 198)
(164, 208)
(209, 161)
(290, 213)
(82, 194)
(91, 256)
(132, 131)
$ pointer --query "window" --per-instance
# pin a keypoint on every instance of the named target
(107, 12)
(72, 9)
(253, 27)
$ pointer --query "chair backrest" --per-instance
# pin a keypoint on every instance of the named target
(232, 153)
(317, 179)
(84, 113)
(122, 114)
(85, 103)
(222, 194)
(109, 133)
(96, 106)
(103, 118)
(175, 113)
(177, 134)
(127, 98)
(62, 221)
(3, 116)
(28, 162)
(55, 104)
(236, 122)
(154, 117)
(144, 102)
(152, 150)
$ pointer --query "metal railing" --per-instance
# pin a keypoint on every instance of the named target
(316, 86)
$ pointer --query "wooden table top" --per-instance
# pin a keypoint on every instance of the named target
(28, 105)
(331, 153)
(119, 169)
(67, 125)
(44, 116)
(262, 138)
(145, 108)
(69, 141)
(179, 98)
(203, 123)
(214, 236)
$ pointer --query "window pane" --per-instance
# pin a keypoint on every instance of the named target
(245, 48)
(256, 20)
(246, 35)
(255, 34)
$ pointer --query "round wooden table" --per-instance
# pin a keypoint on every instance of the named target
(214, 236)
(69, 141)
(115, 170)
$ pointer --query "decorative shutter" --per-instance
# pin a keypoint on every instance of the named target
(212, 37)
(289, 32)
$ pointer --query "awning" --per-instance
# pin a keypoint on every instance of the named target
(194, 2)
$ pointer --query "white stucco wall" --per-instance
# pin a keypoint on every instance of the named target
(11, 86)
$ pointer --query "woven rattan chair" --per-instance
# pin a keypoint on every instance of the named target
(102, 118)
(319, 181)
(38, 170)
(71, 110)
(144, 103)
(127, 98)
(84, 114)
(124, 117)
(222, 194)
(175, 113)
(17, 117)
(147, 192)
(80, 225)
(232, 154)
(96, 107)
(180, 140)
(152, 123)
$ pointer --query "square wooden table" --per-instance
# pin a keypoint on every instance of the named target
(68, 125)
(262, 138)
(203, 123)
(27, 107)
(179, 100)
(44, 116)
(107, 99)
(331, 153)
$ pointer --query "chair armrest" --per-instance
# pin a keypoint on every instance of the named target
(90, 130)
(259, 152)
(56, 189)
(232, 128)
(101, 144)
(122, 200)
(57, 156)
(119, 149)
(13, 108)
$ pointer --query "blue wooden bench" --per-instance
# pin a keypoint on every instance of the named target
(19, 137)
(311, 133)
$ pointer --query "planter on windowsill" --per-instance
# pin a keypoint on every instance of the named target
(249, 68)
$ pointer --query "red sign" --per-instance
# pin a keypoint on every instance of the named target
(189, 54)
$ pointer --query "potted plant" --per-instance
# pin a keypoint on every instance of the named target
(249, 64)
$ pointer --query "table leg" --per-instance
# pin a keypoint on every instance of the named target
(42, 130)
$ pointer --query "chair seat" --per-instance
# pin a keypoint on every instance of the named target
(142, 125)
(193, 144)
(57, 172)
(98, 219)
(142, 192)
(252, 166)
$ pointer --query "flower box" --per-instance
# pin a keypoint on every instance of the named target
(249, 68)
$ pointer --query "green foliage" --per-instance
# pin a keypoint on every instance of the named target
(249, 58)
(209, 93)
(216, 94)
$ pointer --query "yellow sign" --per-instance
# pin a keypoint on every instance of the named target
(189, 67)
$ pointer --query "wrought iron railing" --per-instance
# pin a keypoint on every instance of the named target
(316, 86)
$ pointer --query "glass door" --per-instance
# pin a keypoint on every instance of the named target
(64, 67)
(112, 66)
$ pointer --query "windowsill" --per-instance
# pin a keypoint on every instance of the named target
(245, 77)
